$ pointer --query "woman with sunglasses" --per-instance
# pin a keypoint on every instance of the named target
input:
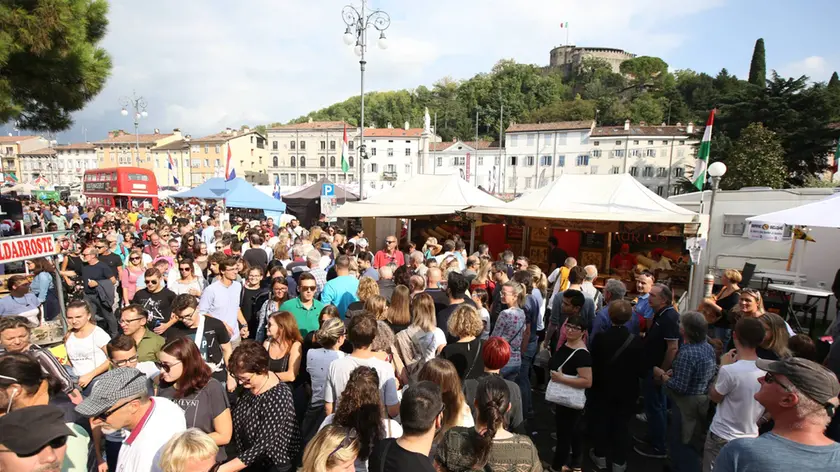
(360, 408)
(279, 296)
(570, 365)
(264, 424)
(190, 385)
(187, 281)
(130, 273)
(333, 449)
(23, 384)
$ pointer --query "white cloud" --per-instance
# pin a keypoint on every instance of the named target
(817, 68)
(203, 65)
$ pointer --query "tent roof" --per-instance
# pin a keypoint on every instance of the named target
(618, 197)
(313, 191)
(237, 194)
(823, 213)
(421, 195)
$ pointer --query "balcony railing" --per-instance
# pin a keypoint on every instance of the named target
(389, 175)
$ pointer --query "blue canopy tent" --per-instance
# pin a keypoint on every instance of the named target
(237, 194)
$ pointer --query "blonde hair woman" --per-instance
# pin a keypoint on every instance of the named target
(510, 326)
(482, 278)
(775, 345)
(333, 449)
(190, 451)
(367, 288)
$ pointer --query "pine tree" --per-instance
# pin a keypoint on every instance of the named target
(834, 82)
(758, 66)
(50, 60)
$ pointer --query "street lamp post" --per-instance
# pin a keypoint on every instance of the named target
(138, 106)
(716, 172)
(358, 21)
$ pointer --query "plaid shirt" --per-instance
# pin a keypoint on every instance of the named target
(320, 279)
(693, 368)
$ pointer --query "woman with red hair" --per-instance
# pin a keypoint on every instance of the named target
(192, 387)
(496, 354)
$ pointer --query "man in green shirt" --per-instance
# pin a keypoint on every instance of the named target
(133, 320)
(305, 308)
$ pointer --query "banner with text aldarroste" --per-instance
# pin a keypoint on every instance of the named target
(767, 231)
(29, 247)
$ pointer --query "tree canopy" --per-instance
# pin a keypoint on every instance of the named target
(50, 64)
(758, 65)
(756, 160)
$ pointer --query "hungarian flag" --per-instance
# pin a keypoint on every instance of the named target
(702, 162)
(230, 172)
(344, 166)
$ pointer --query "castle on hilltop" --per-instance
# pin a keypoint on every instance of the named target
(568, 58)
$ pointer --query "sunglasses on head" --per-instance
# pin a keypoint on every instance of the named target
(348, 440)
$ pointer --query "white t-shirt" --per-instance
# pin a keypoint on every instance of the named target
(141, 450)
(485, 318)
(737, 414)
(317, 365)
(87, 353)
(392, 430)
(339, 373)
(429, 342)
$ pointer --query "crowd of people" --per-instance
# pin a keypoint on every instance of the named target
(196, 344)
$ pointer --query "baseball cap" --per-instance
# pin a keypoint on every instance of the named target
(362, 243)
(815, 381)
(28, 430)
(110, 388)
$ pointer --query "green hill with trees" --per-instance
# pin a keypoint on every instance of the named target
(794, 114)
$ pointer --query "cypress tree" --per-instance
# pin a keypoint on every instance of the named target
(834, 82)
(758, 66)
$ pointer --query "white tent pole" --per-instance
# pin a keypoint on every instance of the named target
(799, 259)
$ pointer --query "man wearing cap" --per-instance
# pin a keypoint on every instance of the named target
(120, 399)
(34, 439)
(800, 396)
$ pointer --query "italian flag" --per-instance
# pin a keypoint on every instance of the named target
(344, 167)
(702, 162)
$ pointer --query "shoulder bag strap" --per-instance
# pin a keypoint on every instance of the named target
(560, 369)
(622, 348)
(475, 359)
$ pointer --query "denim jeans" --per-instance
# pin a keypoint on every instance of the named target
(724, 334)
(524, 379)
(656, 410)
(510, 372)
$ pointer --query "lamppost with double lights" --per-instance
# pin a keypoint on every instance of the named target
(138, 106)
(358, 21)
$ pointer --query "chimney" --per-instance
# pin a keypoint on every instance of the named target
(187, 137)
(228, 130)
(157, 130)
(678, 124)
(626, 125)
(246, 130)
(642, 123)
(690, 128)
(390, 126)
(310, 119)
(177, 133)
(407, 125)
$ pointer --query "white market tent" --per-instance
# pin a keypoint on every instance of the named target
(421, 195)
(823, 213)
(615, 197)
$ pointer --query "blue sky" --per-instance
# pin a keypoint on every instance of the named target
(209, 64)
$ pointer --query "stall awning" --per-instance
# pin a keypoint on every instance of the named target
(237, 194)
(420, 196)
(618, 197)
(823, 213)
